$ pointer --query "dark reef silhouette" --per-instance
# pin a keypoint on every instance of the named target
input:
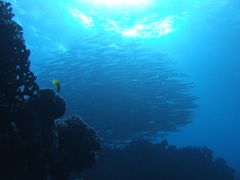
(146, 161)
(33, 144)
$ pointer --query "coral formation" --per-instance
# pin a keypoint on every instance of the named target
(146, 161)
(17, 82)
(31, 143)
(75, 155)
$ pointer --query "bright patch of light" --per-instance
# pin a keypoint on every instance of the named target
(134, 31)
(84, 19)
(154, 29)
(111, 25)
(149, 26)
(163, 27)
(118, 2)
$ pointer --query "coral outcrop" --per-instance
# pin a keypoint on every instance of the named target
(74, 155)
(32, 144)
(146, 161)
(17, 82)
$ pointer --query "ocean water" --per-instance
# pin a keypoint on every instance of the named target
(147, 68)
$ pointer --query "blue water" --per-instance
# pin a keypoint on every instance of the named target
(97, 46)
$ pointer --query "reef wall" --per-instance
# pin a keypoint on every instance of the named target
(33, 143)
(146, 161)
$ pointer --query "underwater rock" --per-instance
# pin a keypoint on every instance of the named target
(51, 105)
(78, 145)
(146, 161)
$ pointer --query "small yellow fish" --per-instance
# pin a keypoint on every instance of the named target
(57, 85)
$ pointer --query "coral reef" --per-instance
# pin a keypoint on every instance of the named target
(17, 82)
(146, 161)
(32, 144)
(74, 155)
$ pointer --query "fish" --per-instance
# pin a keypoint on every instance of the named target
(126, 83)
(56, 84)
